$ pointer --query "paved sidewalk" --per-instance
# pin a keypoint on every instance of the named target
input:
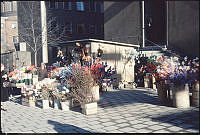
(119, 111)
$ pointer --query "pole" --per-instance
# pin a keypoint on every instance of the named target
(143, 30)
(44, 32)
(167, 29)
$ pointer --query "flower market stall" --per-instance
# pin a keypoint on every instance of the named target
(67, 85)
(175, 75)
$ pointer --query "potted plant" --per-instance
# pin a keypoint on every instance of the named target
(65, 103)
(193, 76)
(81, 83)
(56, 99)
(31, 100)
(45, 97)
(180, 88)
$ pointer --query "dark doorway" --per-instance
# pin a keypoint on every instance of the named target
(155, 22)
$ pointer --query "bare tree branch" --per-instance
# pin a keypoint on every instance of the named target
(31, 31)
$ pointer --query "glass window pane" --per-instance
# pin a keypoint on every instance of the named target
(68, 28)
(92, 28)
(52, 4)
(80, 6)
(68, 5)
(80, 28)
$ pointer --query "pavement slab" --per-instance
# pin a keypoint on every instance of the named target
(119, 111)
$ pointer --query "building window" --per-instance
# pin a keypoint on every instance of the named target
(92, 29)
(102, 28)
(8, 6)
(68, 28)
(2, 7)
(52, 4)
(80, 28)
(67, 5)
(61, 27)
(80, 6)
(92, 6)
(101, 7)
(14, 26)
(14, 39)
(57, 4)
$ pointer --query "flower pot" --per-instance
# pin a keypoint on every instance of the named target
(45, 104)
(24, 101)
(195, 94)
(56, 104)
(180, 94)
(95, 92)
(90, 108)
(31, 103)
(153, 81)
(147, 81)
(162, 92)
(65, 105)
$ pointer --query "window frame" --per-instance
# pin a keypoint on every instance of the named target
(13, 25)
(50, 5)
(14, 38)
(69, 5)
(84, 28)
(82, 7)
(70, 26)
(91, 25)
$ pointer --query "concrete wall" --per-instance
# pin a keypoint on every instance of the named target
(113, 55)
(121, 20)
(17, 59)
(184, 27)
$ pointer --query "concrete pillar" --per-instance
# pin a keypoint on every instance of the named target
(44, 32)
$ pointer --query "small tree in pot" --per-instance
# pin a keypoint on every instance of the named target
(81, 83)
(45, 93)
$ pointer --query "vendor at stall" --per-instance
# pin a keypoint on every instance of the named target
(4, 85)
(42, 72)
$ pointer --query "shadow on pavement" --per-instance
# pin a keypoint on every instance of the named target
(66, 128)
(185, 119)
(125, 97)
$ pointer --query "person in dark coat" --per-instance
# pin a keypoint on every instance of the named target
(42, 72)
(4, 89)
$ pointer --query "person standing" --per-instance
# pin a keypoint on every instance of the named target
(42, 72)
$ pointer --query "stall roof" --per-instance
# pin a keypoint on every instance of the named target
(101, 41)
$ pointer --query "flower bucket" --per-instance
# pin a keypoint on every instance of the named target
(153, 82)
(65, 105)
(95, 92)
(180, 95)
(195, 94)
(90, 108)
(45, 104)
(146, 82)
(24, 101)
(56, 104)
(31, 103)
(162, 92)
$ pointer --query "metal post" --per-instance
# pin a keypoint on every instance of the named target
(44, 32)
(167, 29)
(143, 28)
